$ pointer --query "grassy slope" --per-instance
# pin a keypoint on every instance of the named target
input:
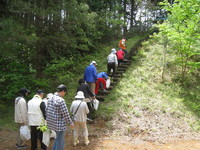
(142, 101)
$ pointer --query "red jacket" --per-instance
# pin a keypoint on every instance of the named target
(120, 54)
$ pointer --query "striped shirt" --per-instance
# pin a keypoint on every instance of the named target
(57, 114)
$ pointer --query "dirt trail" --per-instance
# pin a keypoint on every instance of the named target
(100, 140)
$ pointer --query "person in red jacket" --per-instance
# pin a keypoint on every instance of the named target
(100, 83)
(120, 56)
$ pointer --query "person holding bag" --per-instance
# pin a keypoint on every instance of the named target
(21, 115)
(80, 110)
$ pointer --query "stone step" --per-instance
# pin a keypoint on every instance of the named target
(118, 75)
(124, 66)
(100, 97)
(119, 72)
(110, 88)
(115, 79)
(121, 69)
(113, 83)
(103, 93)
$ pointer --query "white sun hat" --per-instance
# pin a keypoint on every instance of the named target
(80, 94)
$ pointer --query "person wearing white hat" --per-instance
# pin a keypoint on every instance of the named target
(79, 109)
(112, 62)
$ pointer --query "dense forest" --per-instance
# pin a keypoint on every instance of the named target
(43, 41)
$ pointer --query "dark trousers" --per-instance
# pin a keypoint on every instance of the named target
(34, 136)
(126, 54)
(120, 61)
(109, 67)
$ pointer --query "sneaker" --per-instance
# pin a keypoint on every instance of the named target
(86, 143)
(21, 146)
(75, 143)
(105, 91)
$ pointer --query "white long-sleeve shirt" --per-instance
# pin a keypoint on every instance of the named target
(81, 114)
(112, 58)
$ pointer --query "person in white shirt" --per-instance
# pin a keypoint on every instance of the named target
(21, 116)
(112, 62)
(80, 110)
(35, 119)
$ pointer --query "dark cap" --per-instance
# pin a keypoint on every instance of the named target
(24, 90)
(80, 81)
(61, 87)
(40, 91)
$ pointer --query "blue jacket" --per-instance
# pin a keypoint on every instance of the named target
(90, 74)
(102, 75)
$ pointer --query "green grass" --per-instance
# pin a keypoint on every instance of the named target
(142, 87)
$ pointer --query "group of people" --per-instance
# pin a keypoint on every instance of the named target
(53, 111)
(115, 58)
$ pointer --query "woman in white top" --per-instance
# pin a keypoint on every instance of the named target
(80, 110)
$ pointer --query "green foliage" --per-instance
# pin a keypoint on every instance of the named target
(182, 31)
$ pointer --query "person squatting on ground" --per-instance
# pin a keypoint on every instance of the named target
(21, 115)
(85, 88)
(57, 115)
(112, 62)
(100, 84)
(90, 75)
(120, 56)
(105, 77)
(80, 110)
(35, 118)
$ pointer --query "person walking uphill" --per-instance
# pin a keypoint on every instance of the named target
(35, 118)
(90, 75)
(80, 110)
(57, 116)
(120, 56)
(112, 62)
(21, 115)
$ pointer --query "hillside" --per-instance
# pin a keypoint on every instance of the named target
(142, 111)
(144, 107)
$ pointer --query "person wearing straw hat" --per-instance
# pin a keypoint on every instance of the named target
(80, 110)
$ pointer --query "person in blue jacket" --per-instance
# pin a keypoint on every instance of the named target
(102, 75)
(90, 75)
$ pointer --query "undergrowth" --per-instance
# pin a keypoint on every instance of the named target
(143, 87)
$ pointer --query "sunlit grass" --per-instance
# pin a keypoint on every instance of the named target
(142, 87)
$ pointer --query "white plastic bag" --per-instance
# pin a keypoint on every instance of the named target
(95, 104)
(46, 137)
(107, 83)
(53, 134)
(25, 133)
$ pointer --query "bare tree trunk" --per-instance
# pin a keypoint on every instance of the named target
(132, 14)
(125, 18)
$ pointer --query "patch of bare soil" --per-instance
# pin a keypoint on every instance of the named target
(104, 137)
